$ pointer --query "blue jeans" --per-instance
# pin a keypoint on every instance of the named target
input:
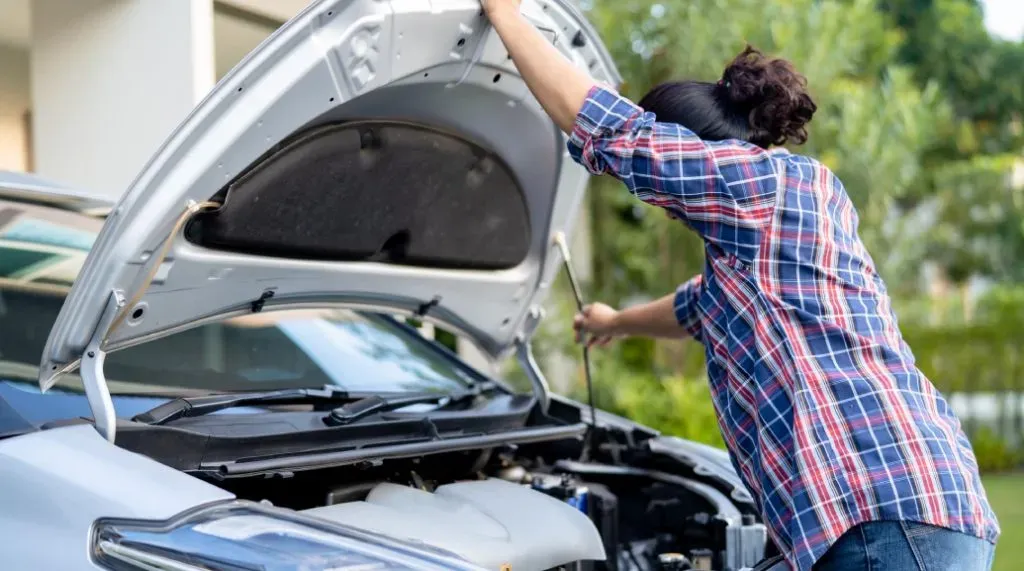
(905, 546)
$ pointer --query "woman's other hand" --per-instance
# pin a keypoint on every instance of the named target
(597, 320)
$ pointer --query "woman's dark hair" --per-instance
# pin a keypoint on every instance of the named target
(759, 99)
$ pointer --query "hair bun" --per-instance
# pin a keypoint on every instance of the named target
(772, 94)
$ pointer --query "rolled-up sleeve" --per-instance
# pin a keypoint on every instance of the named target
(724, 190)
(685, 306)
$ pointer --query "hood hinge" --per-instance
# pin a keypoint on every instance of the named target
(91, 370)
(524, 354)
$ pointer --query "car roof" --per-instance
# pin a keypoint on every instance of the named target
(25, 187)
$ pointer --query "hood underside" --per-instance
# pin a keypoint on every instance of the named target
(375, 191)
(383, 154)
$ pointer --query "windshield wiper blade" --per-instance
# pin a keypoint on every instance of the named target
(184, 407)
(355, 410)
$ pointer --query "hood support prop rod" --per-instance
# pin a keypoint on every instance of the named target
(563, 246)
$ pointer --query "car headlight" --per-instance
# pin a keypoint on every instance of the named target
(244, 536)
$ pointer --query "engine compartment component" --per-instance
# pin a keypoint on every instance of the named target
(650, 520)
(666, 521)
(491, 522)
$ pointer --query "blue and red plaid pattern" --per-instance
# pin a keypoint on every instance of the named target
(827, 418)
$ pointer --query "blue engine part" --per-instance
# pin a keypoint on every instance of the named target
(563, 488)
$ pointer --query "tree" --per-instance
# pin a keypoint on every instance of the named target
(974, 213)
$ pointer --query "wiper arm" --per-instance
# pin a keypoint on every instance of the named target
(355, 410)
(198, 406)
(358, 405)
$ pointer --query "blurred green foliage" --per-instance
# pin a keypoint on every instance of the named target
(673, 404)
(992, 452)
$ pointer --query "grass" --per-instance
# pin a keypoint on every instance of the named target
(1004, 493)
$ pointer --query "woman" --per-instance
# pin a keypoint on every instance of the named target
(854, 458)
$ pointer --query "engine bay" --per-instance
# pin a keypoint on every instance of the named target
(532, 508)
(487, 475)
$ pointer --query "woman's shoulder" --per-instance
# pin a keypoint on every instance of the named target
(791, 160)
(782, 153)
(803, 177)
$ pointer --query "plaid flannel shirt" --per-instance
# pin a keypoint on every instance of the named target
(828, 420)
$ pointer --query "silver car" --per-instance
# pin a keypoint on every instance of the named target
(210, 375)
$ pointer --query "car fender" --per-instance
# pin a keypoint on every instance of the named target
(54, 484)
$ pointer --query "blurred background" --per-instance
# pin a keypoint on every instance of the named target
(920, 114)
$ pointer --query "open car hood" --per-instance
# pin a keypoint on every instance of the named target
(369, 153)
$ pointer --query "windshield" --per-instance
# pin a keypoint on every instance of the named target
(41, 251)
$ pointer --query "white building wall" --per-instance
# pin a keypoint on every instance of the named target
(236, 35)
(14, 105)
(281, 10)
(110, 81)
